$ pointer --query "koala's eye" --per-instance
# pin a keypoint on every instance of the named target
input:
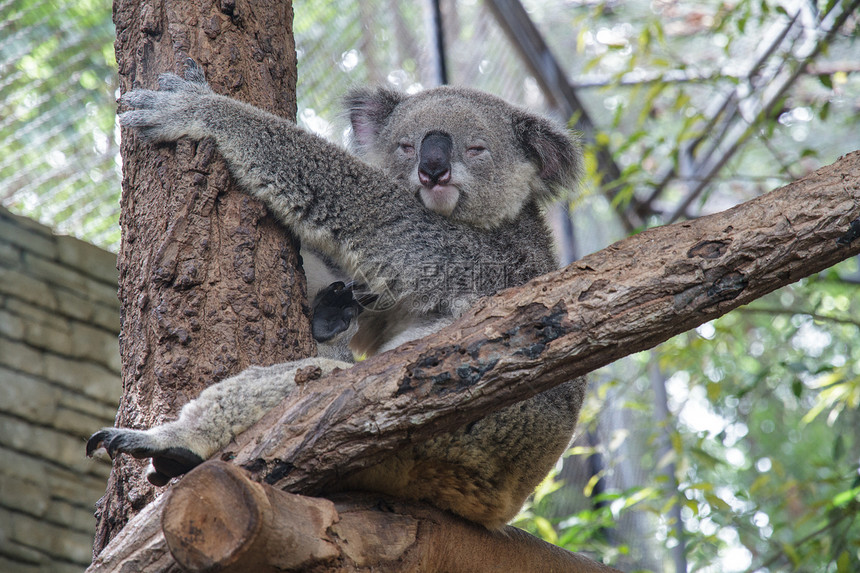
(475, 150)
(407, 149)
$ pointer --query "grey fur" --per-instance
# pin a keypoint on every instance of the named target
(428, 251)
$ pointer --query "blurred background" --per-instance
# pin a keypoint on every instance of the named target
(733, 447)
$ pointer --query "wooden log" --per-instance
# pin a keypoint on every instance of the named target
(218, 520)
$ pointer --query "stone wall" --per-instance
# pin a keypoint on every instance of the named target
(59, 381)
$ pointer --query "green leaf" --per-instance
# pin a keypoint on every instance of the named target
(713, 389)
(843, 563)
(760, 482)
(641, 495)
(717, 503)
(838, 447)
(844, 497)
(796, 388)
(645, 38)
(791, 553)
(581, 39)
(589, 487)
(547, 486)
(826, 80)
(545, 529)
(581, 451)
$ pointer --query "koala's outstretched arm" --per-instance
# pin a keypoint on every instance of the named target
(209, 422)
(332, 200)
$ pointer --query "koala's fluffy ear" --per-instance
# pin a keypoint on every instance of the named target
(368, 110)
(555, 150)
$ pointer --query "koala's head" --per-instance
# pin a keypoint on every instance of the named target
(465, 154)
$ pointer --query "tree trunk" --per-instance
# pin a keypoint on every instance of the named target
(208, 282)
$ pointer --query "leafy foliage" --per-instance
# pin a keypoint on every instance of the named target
(764, 441)
(759, 452)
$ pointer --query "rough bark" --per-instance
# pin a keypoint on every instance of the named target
(623, 299)
(216, 519)
(208, 282)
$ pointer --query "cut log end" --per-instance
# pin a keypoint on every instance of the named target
(213, 518)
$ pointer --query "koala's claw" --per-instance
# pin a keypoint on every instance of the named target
(194, 79)
(121, 441)
(167, 114)
(106, 438)
(193, 72)
(140, 99)
(170, 82)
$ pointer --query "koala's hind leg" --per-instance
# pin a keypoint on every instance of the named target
(209, 422)
(483, 471)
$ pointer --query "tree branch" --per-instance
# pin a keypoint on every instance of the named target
(628, 297)
(816, 316)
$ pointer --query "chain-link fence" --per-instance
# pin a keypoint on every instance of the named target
(344, 44)
(60, 151)
(650, 75)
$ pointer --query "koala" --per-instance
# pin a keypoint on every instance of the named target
(440, 204)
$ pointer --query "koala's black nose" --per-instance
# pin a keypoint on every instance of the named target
(434, 165)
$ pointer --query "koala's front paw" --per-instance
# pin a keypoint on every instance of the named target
(334, 310)
(170, 112)
(166, 462)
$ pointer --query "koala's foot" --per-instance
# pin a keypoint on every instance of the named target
(210, 421)
(166, 462)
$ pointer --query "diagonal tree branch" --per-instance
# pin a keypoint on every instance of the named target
(623, 299)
